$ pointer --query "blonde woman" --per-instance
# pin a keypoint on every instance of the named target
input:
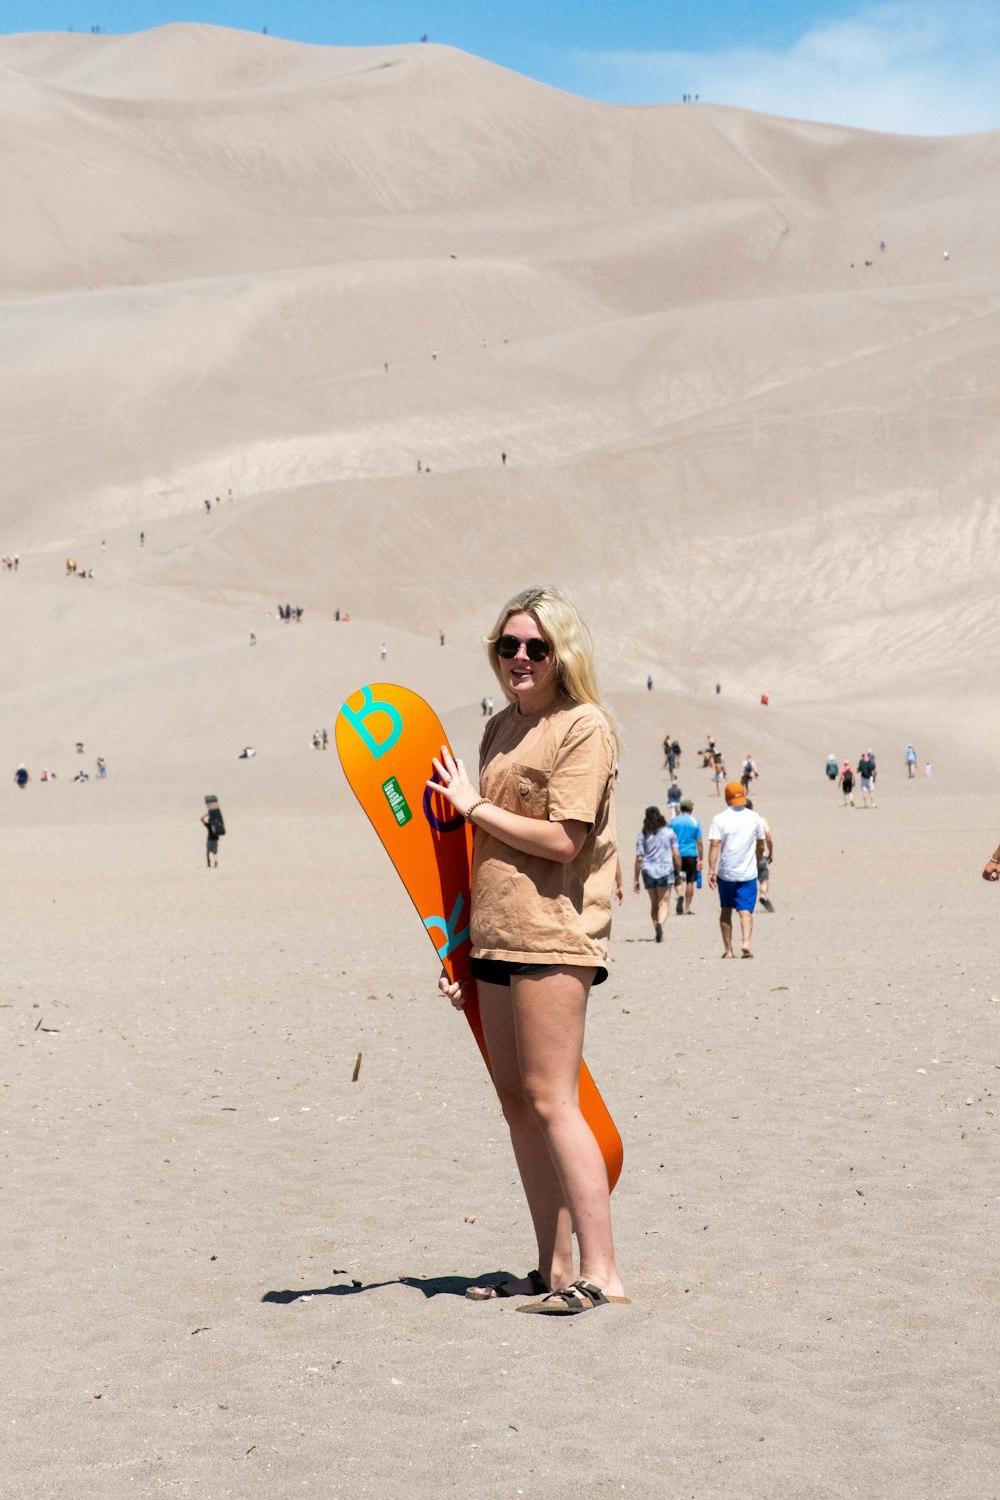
(544, 870)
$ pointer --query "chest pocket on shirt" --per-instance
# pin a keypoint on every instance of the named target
(530, 791)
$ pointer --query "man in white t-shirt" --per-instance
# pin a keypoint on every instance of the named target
(735, 846)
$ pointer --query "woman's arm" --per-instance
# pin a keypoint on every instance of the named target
(560, 842)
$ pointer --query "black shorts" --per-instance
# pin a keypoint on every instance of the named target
(689, 866)
(499, 971)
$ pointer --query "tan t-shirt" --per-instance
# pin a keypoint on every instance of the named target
(558, 765)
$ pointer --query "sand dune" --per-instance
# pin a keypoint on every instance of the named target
(681, 314)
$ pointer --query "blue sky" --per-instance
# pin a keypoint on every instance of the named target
(914, 66)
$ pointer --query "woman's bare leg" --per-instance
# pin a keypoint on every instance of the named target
(542, 1188)
(549, 1011)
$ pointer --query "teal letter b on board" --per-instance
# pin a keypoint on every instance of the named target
(356, 718)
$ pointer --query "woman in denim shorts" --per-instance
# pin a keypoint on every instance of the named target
(658, 861)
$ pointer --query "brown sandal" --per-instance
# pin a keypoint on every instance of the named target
(580, 1296)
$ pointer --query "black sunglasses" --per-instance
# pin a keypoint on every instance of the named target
(509, 645)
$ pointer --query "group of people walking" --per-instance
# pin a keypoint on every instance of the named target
(670, 854)
(865, 774)
(847, 777)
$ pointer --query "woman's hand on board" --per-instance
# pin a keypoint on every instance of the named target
(452, 782)
(452, 989)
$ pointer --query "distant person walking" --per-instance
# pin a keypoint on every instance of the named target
(764, 863)
(832, 767)
(383, 651)
(674, 795)
(748, 772)
(21, 777)
(847, 783)
(649, 682)
(658, 862)
(215, 829)
(866, 771)
(735, 847)
(691, 850)
(718, 773)
(911, 762)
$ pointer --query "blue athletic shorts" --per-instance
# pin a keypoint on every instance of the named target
(738, 895)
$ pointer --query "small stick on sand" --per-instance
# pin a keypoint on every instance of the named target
(357, 1069)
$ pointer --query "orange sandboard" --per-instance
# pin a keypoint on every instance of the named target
(386, 736)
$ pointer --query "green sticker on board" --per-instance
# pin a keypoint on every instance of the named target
(394, 796)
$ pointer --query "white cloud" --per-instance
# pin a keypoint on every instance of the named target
(917, 67)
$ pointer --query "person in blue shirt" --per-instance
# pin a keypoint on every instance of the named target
(691, 850)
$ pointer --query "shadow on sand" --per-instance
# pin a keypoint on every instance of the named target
(429, 1286)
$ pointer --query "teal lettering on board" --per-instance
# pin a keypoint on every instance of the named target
(370, 705)
(452, 939)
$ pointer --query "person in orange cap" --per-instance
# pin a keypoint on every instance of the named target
(736, 841)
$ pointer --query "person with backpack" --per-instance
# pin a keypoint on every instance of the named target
(866, 770)
(215, 830)
(847, 783)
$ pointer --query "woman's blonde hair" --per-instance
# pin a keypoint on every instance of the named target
(571, 642)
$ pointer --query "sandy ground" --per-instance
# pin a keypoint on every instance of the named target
(758, 450)
(233, 1271)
